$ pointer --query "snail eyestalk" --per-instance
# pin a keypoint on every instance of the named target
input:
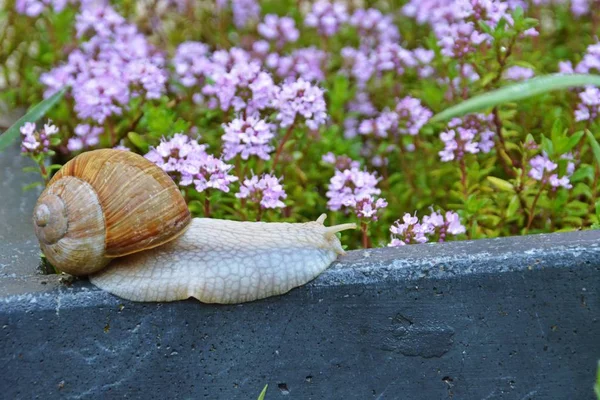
(332, 230)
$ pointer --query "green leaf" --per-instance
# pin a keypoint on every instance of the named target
(513, 206)
(557, 131)
(138, 141)
(501, 184)
(517, 91)
(37, 112)
(597, 385)
(594, 144)
(547, 146)
(573, 140)
(262, 394)
(33, 185)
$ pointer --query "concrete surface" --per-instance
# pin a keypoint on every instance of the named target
(512, 318)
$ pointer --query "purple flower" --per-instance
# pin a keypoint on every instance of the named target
(368, 207)
(326, 17)
(33, 8)
(444, 226)
(101, 92)
(583, 7)
(280, 29)
(362, 105)
(85, 136)
(247, 136)
(245, 12)
(147, 76)
(192, 63)
(541, 168)
(424, 58)
(518, 73)
(239, 83)
(460, 39)
(265, 190)
(412, 116)
(98, 19)
(348, 187)
(177, 155)
(470, 134)
(385, 123)
(589, 107)
(304, 63)
(455, 146)
(340, 162)
(374, 27)
(114, 65)
(359, 64)
(300, 98)
(410, 231)
(205, 172)
(36, 142)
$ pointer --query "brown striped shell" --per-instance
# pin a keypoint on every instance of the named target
(104, 204)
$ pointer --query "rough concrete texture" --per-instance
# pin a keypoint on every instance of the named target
(513, 318)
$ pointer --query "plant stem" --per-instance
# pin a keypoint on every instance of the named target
(206, 204)
(282, 143)
(532, 210)
(463, 178)
(501, 145)
(44, 171)
(365, 235)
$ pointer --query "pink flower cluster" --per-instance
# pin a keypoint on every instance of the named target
(471, 134)
(456, 22)
(327, 17)
(239, 82)
(36, 142)
(518, 73)
(542, 168)
(265, 190)
(407, 119)
(356, 190)
(113, 66)
(187, 163)
(588, 108)
(247, 136)
(300, 99)
(589, 105)
(281, 30)
(589, 64)
(411, 231)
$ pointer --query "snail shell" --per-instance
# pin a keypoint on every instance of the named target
(104, 204)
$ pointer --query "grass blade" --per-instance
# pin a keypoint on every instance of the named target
(517, 91)
(594, 145)
(37, 112)
(262, 394)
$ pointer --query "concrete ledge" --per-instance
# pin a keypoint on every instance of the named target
(511, 318)
(507, 318)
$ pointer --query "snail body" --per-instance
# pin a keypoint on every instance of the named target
(110, 206)
(219, 261)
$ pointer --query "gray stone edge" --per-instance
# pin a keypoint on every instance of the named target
(452, 260)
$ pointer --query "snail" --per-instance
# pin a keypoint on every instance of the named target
(119, 218)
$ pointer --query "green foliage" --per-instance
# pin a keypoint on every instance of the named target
(37, 112)
(493, 192)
